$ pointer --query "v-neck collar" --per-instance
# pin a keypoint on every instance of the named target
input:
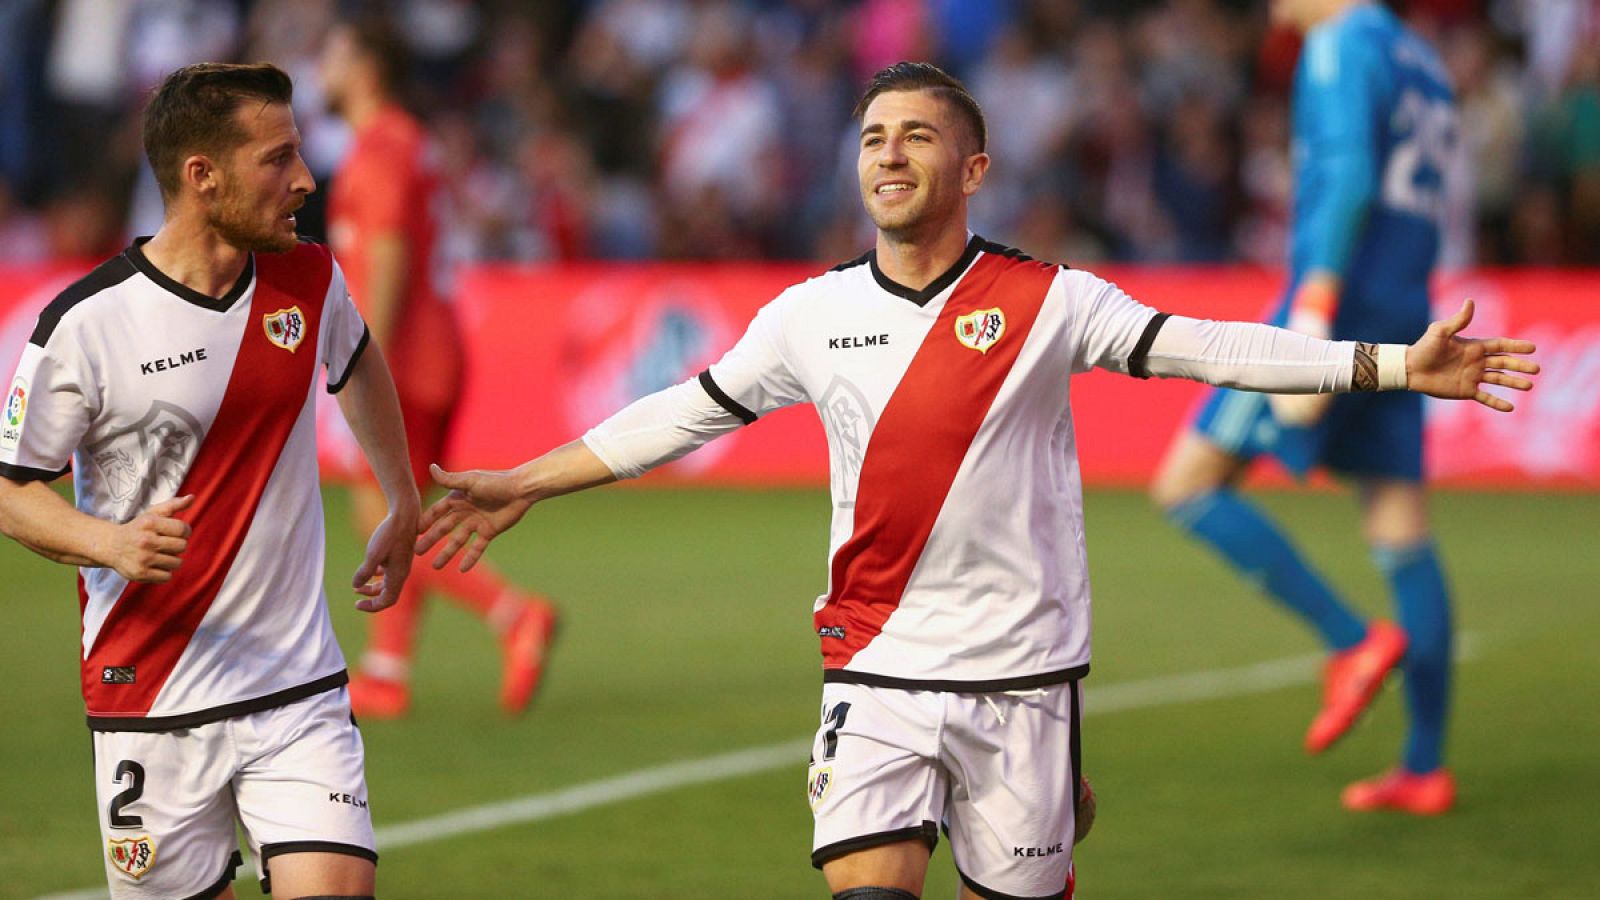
(135, 255)
(921, 297)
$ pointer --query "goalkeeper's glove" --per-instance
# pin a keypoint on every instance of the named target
(1310, 313)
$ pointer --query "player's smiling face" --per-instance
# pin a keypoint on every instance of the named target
(917, 164)
(262, 181)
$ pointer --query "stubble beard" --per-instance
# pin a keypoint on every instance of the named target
(906, 224)
(234, 223)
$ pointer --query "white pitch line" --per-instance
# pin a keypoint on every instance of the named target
(1192, 687)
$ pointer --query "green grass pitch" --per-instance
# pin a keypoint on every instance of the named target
(687, 634)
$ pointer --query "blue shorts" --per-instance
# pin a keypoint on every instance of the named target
(1376, 434)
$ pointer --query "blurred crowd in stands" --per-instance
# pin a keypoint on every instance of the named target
(1151, 132)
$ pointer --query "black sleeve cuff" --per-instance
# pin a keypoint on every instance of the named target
(335, 387)
(723, 400)
(1137, 366)
(28, 473)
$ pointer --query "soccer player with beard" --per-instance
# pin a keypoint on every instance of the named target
(382, 213)
(177, 383)
(955, 627)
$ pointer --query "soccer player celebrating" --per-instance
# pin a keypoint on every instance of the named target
(1374, 126)
(178, 380)
(955, 628)
(382, 223)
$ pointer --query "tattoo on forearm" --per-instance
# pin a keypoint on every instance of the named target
(1365, 376)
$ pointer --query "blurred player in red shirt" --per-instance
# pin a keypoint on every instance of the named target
(382, 221)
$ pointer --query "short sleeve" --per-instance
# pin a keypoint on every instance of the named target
(344, 332)
(754, 377)
(49, 405)
(1110, 330)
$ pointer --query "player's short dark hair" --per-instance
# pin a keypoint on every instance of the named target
(921, 76)
(192, 112)
(377, 37)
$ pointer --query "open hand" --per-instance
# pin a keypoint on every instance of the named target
(481, 506)
(1443, 364)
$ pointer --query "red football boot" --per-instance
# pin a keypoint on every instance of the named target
(524, 646)
(375, 699)
(1420, 795)
(1351, 679)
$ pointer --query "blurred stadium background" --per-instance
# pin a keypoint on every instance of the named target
(626, 181)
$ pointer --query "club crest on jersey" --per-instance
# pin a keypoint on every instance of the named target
(285, 328)
(817, 785)
(11, 415)
(981, 329)
(132, 856)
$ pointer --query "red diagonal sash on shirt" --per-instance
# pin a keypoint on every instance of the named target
(151, 624)
(917, 447)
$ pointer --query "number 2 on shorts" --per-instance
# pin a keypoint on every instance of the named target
(125, 769)
(830, 738)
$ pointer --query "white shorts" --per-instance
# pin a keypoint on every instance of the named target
(169, 800)
(998, 771)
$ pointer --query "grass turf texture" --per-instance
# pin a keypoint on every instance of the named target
(687, 634)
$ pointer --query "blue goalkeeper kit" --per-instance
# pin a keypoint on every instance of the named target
(1374, 127)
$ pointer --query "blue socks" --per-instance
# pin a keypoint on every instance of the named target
(1252, 544)
(1417, 582)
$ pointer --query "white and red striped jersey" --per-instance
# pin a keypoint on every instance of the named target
(151, 390)
(956, 554)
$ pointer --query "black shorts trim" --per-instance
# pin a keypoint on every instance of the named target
(335, 387)
(991, 894)
(928, 832)
(1138, 365)
(229, 871)
(218, 713)
(1020, 683)
(25, 474)
(723, 400)
(268, 851)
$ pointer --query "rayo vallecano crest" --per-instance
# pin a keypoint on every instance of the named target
(132, 856)
(817, 785)
(285, 328)
(981, 329)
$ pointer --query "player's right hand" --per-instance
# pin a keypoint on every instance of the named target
(481, 505)
(149, 547)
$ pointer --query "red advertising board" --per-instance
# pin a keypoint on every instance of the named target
(553, 350)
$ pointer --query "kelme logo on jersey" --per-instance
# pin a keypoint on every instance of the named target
(817, 785)
(132, 856)
(981, 329)
(285, 328)
(11, 417)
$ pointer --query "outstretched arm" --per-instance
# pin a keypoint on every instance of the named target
(650, 431)
(482, 504)
(372, 408)
(1262, 358)
(147, 548)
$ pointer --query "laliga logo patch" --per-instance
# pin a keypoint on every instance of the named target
(11, 417)
(285, 328)
(981, 330)
(133, 856)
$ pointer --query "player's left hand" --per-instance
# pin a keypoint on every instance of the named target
(481, 506)
(388, 561)
(1444, 364)
(1083, 816)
